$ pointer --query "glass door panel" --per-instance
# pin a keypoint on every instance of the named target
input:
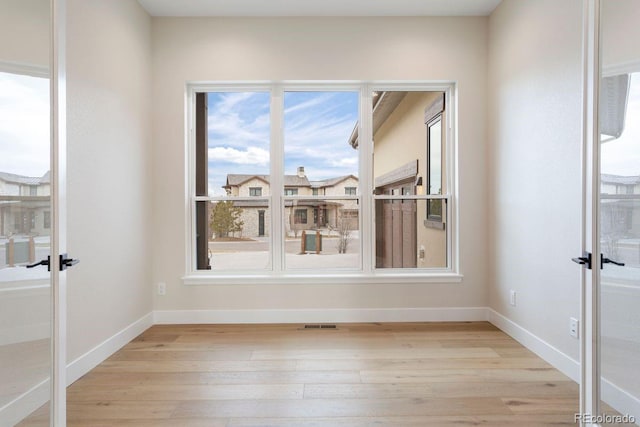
(25, 211)
(619, 294)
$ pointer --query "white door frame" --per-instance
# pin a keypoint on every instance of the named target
(59, 215)
(590, 298)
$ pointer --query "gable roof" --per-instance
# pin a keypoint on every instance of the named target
(384, 103)
(618, 179)
(234, 180)
(239, 179)
(331, 181)
(25, 180)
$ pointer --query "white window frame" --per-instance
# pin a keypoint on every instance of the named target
(366, 273)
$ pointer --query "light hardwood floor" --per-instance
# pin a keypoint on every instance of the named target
(392, 374)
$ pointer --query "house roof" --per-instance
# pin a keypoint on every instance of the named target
(618, 179)
(287, 203)
(289, 180)
(331, 181)
(384, 103)
(25, 180)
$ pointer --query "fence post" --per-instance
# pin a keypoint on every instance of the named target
(32, 250)
(11, 253)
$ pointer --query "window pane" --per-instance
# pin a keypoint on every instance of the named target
(408, 156)
(25, 181)
(321, 159)
(232, 160)
(434, 154)
(239, 235)
(322, 234)
(620, 238)
(319, 149)
(404, 240)
(238, 131)
(25, 236)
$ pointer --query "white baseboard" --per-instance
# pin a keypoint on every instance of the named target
(31, 400)
(16, 410)
(620, 400)
(546, 351)
(346, 315)
(102, 351)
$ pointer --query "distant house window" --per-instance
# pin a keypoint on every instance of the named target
(314, 192)
(291, 192)
(349, 213)
(300, 216)
(255, 191)
(350, 191)
(46, 219)
(33, 190)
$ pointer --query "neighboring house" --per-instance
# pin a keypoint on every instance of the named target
(619, 219)
(409, 233)
(299, 214)
(24, 205)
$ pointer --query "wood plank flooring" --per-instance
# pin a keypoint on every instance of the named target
(395, 375)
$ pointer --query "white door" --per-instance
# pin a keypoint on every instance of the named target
(31, 215)
(611, 339)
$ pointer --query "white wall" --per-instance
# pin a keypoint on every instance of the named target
(109, 186)
(188, 49)
(620, 33)
(24, 30)
(534, 165)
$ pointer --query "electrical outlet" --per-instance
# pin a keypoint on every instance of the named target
(162, 288)
(574, 325)
(512, 297)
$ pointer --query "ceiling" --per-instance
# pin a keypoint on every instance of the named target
(319, 7)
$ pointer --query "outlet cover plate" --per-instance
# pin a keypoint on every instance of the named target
(574, 327)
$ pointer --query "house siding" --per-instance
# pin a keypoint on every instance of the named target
(402, 138)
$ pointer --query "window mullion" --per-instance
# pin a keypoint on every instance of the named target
(450, 160)
(367, 224)
(277, 179)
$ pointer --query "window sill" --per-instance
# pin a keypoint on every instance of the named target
(324, 279)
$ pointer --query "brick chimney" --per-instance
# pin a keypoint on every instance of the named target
(301, 172)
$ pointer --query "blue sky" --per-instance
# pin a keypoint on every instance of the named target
(317, 126)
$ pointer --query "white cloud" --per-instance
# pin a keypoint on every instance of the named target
(310, 103)
(24, 124)
(239, 119)
(250, 156)
(345, 162)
